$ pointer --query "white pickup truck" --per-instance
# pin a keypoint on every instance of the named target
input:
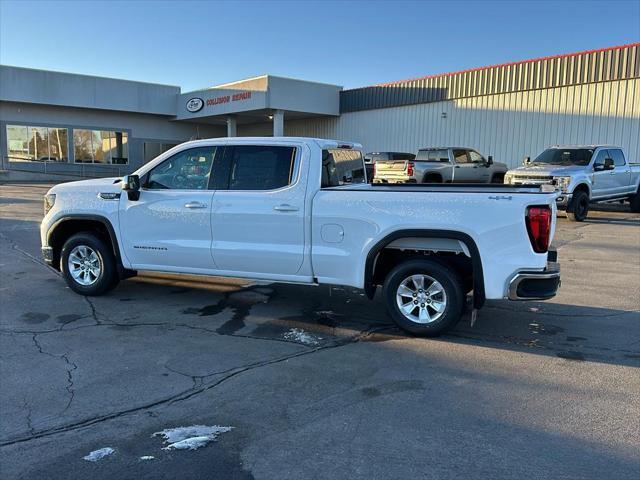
(299, 210)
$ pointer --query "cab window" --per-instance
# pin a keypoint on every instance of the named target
(341, 166)
(186, 170)
(602, 154)
(441, 156)
(460, 155)
(433, 155)
(475, 157)
(618, 158)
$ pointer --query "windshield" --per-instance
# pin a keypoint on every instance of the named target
(565, 156)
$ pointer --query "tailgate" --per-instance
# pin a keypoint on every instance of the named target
(392, 170)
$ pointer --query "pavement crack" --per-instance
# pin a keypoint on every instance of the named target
(27, 407)
(94, 311)
(69, 366)
(198, 388)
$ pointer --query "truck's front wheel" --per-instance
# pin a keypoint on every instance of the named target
(578, 209)
(424, 297)
(88, 264)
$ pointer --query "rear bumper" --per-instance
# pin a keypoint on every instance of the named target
(535, 285)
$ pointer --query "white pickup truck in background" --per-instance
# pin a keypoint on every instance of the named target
(583, 174)
(299, 210)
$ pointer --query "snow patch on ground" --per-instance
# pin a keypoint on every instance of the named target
(300, 336)
(99, 454)
(147, 457)
(190, 438)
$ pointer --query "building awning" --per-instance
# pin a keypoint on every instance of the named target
(256, 99)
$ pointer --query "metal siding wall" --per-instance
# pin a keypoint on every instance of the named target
(508, 126)
(589, 67)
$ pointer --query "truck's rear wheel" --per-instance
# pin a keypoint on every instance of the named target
(634, 202)
(424, 297)
(578, 209)
(88, 265)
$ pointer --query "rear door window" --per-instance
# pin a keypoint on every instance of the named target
(341, 167)
(260, 167)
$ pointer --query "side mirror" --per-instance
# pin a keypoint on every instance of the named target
(489, 160)
(526, 161)
(608, 164)
(131, 185)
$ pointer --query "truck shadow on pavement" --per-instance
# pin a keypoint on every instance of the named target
(314, 316)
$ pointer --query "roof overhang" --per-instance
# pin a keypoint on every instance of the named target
(253, 100)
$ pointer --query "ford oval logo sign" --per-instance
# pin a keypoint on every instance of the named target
(195, 104)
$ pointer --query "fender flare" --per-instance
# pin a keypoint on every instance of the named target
(124, 273)
(476, 261)
(582, 185)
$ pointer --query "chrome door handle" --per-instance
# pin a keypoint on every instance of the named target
(285, 207)
(195, 205)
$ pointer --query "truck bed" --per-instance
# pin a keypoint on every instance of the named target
(449, 187)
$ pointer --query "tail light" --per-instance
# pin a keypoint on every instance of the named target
(410, 166)
(538, 222)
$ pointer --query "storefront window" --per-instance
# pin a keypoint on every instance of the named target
(58, 144)
(100, 146)
(42, 144)
(82, 146)
(119, 148)
(18, 143)
(39, 143)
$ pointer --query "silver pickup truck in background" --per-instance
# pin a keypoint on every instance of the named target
(442, 165)
(584, 174)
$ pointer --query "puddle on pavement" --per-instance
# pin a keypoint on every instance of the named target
(545, 329)
(571, 355)
(33, 318)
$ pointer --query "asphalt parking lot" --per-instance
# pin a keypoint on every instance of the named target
(316, 382)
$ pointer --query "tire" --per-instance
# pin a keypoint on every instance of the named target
(432, 179)
(578, 209)
(498, 178)
(634, 202)
(92, 270)
(435, 275)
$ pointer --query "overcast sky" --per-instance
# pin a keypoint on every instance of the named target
(198, 44)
